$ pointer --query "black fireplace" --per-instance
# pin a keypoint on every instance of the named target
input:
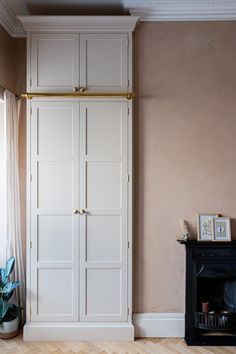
(210, 316)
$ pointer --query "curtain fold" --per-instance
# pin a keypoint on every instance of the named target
(13, 223)
(1, 93)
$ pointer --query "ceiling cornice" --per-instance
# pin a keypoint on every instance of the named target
(182, 10)
(153, 10)
(9, 21)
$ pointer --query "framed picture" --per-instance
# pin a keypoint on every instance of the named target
(205, 226)
(222, 229)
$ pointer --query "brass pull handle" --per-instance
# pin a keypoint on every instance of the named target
(82, 211)
(75, 211)
(75, 89)
(81, 89)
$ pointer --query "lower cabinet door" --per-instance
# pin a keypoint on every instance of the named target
(103, 222)
(54, 195)
(79, 207)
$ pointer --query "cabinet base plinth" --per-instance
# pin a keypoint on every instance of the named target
(122, 331)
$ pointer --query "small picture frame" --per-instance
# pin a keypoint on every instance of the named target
(222, 230)
(205, 226)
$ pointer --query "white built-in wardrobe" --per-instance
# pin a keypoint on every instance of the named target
(79, 179)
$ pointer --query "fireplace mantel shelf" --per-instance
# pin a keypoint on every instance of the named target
(202, 244)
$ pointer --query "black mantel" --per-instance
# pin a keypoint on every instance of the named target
(209, 266)
(202, 244)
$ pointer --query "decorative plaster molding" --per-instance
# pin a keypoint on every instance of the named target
(79, 23)
(159, 325)
(9, 21)
(182, 10)
(148, 10)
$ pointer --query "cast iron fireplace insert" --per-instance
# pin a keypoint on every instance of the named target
(211, 282)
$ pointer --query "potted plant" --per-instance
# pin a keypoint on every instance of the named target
(9, 313)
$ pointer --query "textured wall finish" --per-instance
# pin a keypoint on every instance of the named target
(6, 50)
(12, 62)
(185, 146)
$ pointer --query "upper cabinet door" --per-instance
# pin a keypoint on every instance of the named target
(104, 62)
(54, 62)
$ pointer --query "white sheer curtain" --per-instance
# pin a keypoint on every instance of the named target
(13, 223)
(2, 182)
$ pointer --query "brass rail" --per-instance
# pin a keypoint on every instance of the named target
(31, 95)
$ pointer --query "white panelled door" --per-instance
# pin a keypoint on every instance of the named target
(79, 162)
(104, 62)
(54, 62)
(54, 195)
(103, 224)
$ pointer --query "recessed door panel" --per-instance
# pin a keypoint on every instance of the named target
(99, 140)
(103, 292)
(54, 298)
(54, 62)
(53, 129)
(103, 238)
(55, 230)
(54, 184)
(103, 184)
(104, 62)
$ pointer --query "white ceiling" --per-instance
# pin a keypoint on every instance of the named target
(154, 10)
(66, 7)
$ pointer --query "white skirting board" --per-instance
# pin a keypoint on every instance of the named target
(58, 331)
(144, 325)
(159, 324)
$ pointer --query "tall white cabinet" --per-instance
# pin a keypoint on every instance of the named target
(79, 203)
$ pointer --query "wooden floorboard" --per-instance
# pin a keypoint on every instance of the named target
(139, 346)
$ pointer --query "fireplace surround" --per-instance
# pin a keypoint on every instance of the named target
(210, 303)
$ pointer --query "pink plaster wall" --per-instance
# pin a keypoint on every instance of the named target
(6, 50)
(185, 147)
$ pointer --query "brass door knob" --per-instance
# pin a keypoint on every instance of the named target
(82, 211)
(75, 211)
(81, 89)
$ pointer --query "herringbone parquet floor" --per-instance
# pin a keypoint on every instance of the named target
(139, 346)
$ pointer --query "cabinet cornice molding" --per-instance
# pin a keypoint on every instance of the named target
(79, 23)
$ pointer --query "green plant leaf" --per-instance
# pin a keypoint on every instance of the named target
(7, 297)
(4, 273)
(3, 309)
(9, 287)
(9, 266)
(7, 311)
(3, 278)
(12, 312)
